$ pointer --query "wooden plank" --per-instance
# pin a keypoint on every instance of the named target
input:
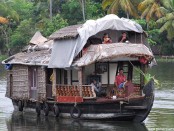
(54, 83)
(80, 80)
(69, 99)
(136, 107)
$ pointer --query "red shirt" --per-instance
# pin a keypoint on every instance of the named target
(120, 79)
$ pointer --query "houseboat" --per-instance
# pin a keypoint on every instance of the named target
(57, 74)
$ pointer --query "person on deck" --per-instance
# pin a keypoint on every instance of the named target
(123, 38)
(106, 39)
(97, 88)
(120, 79)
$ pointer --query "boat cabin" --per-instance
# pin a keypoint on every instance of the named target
(87, 59)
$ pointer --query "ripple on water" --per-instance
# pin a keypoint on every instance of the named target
(164, 99)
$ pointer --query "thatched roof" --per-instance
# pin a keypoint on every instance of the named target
(115, 52)
(65, 33)
(30, 58)
(37, 39)
(37, 53)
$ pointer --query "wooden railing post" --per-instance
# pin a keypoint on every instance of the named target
(80, 80)
(54, 83)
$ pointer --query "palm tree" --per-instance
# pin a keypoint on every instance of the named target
(7, 12)
(114, 6)
(167, 20)
(152, 9)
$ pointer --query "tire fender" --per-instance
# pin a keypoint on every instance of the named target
(20, 105)
(46, 109)
(56, 110)
(38, 108)
(75, 112)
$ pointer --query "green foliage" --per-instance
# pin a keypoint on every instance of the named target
(93, 10)
(23, 8)
(51, 26)
(3, 57)
(27, 16)
(21, 36)
(114, 6)
(7, 11)
(166, 21)
(147, 76)
(72, 11)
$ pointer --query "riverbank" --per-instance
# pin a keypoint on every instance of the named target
(165, 58)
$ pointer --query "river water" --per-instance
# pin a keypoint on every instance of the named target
(160, 118)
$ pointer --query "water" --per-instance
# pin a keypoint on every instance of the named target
(160, 118)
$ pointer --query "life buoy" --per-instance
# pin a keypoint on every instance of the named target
(56, 111)
(38, 108)
(75, 112)
(20, 105)
(46, 109)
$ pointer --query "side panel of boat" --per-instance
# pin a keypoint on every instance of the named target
(148, 90)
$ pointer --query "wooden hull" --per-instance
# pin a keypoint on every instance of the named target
(124, 109)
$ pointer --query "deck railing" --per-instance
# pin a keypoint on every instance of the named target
(74, 90)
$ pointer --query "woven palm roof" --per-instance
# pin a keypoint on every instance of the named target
(65, 33)
(30, 58)
(116, 52)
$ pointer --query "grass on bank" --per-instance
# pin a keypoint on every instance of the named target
(164, 58)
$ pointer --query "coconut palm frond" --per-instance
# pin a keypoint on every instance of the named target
(166, 3)
(161, 20)
(152, 9)
(159, 12)
(143, 5)
(170, 16)
(147, 76)
(114, 7)
(173, 23)
(165, 26)
(163, 10)
(131, 9)
(7, 11)
(150, 13)
(170, 33)
(171, 5)
(106, 3)
(145, 12)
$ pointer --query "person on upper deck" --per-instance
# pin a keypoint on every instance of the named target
(120, 79)
(106, 39)
(123, 38)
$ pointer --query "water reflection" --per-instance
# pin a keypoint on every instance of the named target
(30, 122)
(161, 117)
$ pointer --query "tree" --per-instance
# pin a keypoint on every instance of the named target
(113, 6)
(51, 26)
(6, 11)
(152, 9)
(71, 10)
(167, 20)
(22, 34)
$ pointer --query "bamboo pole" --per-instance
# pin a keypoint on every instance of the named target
(54, 83)
(80, 80)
